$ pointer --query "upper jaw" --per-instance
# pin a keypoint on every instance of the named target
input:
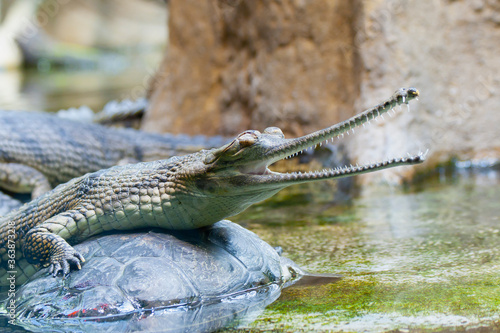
(291, 147)
(272, 149)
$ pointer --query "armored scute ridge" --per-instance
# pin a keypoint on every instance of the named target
(185, 192)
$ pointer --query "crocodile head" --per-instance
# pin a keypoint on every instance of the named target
(237, 175)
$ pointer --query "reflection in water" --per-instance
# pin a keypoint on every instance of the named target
(426, 257)
(65, 88)
(238, 309)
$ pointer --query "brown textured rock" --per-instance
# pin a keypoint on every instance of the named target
(299, 65)
(235, 65)
(449, 50)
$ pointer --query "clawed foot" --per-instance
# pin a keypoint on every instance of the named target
(42, 247)
(63, 262)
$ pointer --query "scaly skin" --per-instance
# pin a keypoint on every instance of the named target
(184, 192)
(39, 151)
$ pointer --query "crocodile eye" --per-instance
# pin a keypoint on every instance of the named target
(248, 138)
(274, 131)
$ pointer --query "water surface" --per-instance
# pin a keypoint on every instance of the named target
(422, 257)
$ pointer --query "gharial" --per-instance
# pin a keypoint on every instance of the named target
(183, 192)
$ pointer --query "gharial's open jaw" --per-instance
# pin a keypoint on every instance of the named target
(291, 147)
(294, 146)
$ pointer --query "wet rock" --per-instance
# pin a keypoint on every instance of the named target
(197, 280)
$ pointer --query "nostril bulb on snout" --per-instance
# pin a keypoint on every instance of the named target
(274, 131)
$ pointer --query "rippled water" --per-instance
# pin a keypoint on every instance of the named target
(421, 257)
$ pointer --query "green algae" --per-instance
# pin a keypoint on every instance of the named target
(358, 296)
(424, 257)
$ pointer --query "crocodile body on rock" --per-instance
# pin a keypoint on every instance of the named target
(183, 192)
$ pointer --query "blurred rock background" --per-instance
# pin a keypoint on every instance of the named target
(67, 53)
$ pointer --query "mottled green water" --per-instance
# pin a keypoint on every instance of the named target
(424, 257)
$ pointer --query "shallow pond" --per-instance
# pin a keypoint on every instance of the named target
(424, 257)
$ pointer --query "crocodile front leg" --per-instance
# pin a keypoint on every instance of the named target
(44, 245)
(20, 178)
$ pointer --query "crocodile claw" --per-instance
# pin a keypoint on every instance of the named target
(63, 263)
